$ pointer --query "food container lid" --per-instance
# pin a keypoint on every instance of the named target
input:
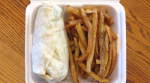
(77, 0)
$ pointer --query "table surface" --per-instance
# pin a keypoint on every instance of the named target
(12, 30)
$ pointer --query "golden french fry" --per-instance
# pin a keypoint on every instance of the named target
(73, 11)
(112, 52)
(111, 33)
(81, 35)
(109, 62)
(108, 19)
(82, 48)
(104, 57)
(92, 74)
(101, 22)
(82, 73)
(82, 58)
(92, 41)
(76, 49)
(73, 69)
(97, 47)
(102, 50)
(85, 19)
(73, 23)
(114, 57)
(83, 52)
(89, 11)
(101, 30)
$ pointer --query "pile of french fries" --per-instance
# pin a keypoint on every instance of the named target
(92, 43)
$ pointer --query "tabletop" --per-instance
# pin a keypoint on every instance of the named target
(12, 31)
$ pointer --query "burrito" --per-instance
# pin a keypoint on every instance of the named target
(49, 45)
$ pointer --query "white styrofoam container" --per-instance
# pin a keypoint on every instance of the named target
(114, 8)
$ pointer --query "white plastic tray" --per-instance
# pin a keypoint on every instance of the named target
(114, 8)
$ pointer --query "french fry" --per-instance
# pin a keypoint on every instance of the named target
(85, 19)
(101, 30)
(104, 57)
(89, 11)
(82, 48)
(114, 58)
(101, 42)
(89, 26)
(81, 35)
(76, 49)
(101, 22)
(112, 52)
(73, 68)
(83, 74)
(92, 74)
(109, 62)
(73, 23)
(111, 33)
(92, 41)
(92, 52)
(96, 47)
(108, 19)
(73, 11)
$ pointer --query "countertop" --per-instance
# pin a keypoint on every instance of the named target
(12, 30)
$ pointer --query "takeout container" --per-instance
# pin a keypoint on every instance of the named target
(114, 8)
